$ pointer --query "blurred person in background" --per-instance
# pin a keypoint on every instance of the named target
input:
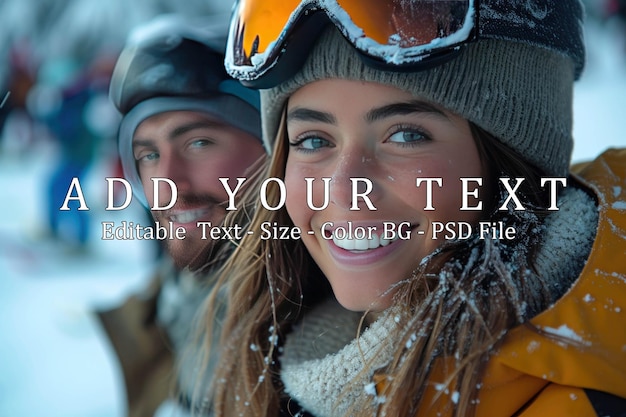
(70, 99)
(16, 123)
(613, 14)
(617, 8)
(184, 119)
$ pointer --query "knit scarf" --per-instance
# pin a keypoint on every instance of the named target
(327, 369)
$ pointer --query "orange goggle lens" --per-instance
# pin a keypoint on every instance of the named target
(396, 32)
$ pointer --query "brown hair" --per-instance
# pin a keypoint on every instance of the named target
(477, 287)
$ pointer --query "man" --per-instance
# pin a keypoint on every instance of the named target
(186, 121)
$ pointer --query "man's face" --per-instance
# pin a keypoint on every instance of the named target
(193, 149)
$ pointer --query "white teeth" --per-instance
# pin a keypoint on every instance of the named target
(347, 244)
(375, 242)
(362, 244)
(188, 216)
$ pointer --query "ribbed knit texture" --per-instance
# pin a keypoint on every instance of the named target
(322, 357)
(520, 93)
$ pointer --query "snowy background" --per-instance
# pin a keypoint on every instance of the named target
(54, 360)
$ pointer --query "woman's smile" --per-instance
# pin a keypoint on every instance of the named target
(388, 139)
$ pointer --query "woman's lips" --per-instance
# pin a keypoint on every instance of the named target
(367, 243)
(361, 249)
(361, 257)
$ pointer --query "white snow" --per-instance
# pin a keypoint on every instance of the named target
(619, 205)
(533, 346)
(370, 389)
(599, 99)
(54, 358)
(565, 332)
(455, 397)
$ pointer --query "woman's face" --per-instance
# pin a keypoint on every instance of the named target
(341, 129)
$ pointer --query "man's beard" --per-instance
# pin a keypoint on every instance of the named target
(192, 252)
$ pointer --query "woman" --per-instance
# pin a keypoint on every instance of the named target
(511, 319)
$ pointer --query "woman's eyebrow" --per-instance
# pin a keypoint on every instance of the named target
(309, 115)
(402, 108)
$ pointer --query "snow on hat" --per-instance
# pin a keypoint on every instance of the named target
(516, 82)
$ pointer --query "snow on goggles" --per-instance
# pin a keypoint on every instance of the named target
(270, 39)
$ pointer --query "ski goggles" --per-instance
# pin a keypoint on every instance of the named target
(270, 39)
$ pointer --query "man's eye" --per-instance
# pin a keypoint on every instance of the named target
(200, 143)
(153, 156)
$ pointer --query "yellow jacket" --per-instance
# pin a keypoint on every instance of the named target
(536, 374)
(571, 360)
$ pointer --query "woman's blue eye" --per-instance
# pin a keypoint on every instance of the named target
(311, 143)
(407, 136)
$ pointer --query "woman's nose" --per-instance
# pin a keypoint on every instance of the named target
(353, 182)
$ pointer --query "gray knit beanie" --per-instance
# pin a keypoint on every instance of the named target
(518, 90)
